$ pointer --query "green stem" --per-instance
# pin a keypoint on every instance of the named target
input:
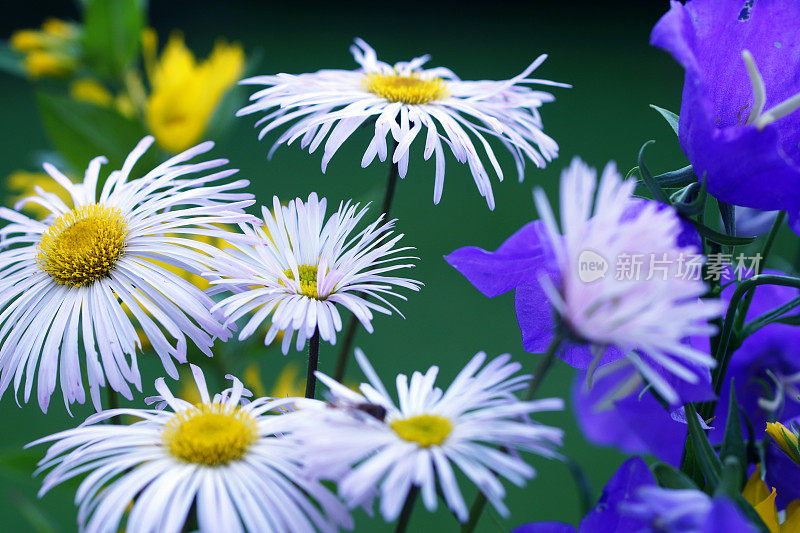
(313, 361)
(725, 348)
(352, 327)
(408, 507)
(538, 377)
(113, 403)
(765, 251)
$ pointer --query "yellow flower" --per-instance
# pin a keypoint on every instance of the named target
(21, 183)
(758, 494)
(185, 92)
(92, 91)
(41, 63)
(252, 380)
(289, 382)
(785, 438)
(49, 51)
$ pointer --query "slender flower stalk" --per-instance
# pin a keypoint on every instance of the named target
(350, 336)
(545, 363)
(313, 362)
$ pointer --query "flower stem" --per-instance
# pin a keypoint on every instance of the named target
(113, 403)
(408, 507)
(352, 327)
(313, 361)
(773, 232)
(545, 363)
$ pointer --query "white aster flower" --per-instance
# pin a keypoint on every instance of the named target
(371, 445)
(68, 280)
(225, 456)
(647, 302)
(403, 99)
(299, 268)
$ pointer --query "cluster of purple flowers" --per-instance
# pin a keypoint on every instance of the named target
(641, 346)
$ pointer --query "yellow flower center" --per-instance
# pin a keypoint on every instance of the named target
(210, 435)
(83, 245)
(308, 279)
(425, 430)
(406, 89)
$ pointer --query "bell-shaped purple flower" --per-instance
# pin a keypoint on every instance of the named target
(739, 125)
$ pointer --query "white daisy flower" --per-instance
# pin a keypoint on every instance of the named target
(68, 280)
(404, 99)
(644, 305)
(299, 268)
(225, 456)
(371, 445)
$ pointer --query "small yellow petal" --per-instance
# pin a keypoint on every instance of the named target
(92, 91)
(59, 28)
(755, 491)
(769, 512)
(792, 522)
(40, 63)
(26, 40)
(289, 383)
(186, 93)
(252, 379)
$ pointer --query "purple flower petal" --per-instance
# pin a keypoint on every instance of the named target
(631, 424)
(516, 261)
(707, 37)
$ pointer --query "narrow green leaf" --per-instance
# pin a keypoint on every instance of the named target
(677, 178)
(81, 131)
(730, 484)
(720, 238)
(671, 118)
(773, 315)
(733, 444)
(655, 189)
(670, 477)
(112, 29)
(691, 200)
(706, 457)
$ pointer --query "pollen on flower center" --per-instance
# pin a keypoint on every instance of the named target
(308, 279)
(210, 435)
(425, 430)
(406, 89)
(83, 245)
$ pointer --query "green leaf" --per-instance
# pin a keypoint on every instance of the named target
(720, 238)
(81, 131)
(706, 457)
(112, 29)
(656, 190)
(677, 178)
(733, 444)
(730, 487)
(773, 315)
(730, 484)
(670, 477)
(691, 200)
(669, 116)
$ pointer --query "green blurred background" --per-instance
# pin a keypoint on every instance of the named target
(600, 47)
